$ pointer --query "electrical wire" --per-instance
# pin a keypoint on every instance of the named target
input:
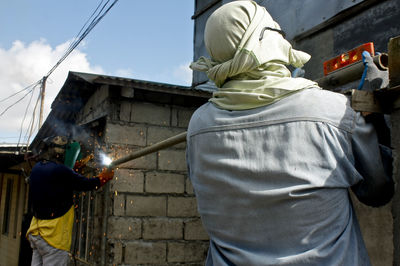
(26, 94)
(31, 124)
(83, 32)
(75, 43)
(24, 89)
(23, 120)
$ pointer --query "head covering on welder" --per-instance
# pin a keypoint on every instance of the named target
(249, 57)
(53, 148)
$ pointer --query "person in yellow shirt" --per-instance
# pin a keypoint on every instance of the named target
(51, 190)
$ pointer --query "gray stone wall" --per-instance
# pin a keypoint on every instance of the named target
(154, 217)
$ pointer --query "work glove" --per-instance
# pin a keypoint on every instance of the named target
(105, 176)
(80, 164)
(372, 78)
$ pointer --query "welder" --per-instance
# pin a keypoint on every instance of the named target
(272, 157)
(51, 186)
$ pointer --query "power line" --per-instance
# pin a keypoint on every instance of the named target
(26, 94)
(101, 11)
(24, 89)
(22, 123)
(78, 40)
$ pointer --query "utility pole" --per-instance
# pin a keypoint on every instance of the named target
(42, 95)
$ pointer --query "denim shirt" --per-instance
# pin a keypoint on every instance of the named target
(272, 183)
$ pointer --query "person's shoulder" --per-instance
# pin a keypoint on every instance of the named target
(326, 95)
(200, 116)
(324, 101)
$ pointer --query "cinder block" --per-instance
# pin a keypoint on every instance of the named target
(157, 182)
(184, 116)
(151, 114)
(157, 134)
(188, 186)
(127, 181)
(125, 111)
(194, 230)
(174, 160)
(126, 134)
(187, 252)
(174, 117)
(124, 228)
(116, 251)
(162, 228)
(146, 162)
(182, 207)
(146, 205)
(145, 252)
(119, 205)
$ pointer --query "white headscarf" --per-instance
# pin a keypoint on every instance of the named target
(248, 57)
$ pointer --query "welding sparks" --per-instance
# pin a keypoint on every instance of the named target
(106, 160)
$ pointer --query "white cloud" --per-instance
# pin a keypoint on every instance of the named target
(179, 75)
(24, 64)
(124, 72)
(183, 74)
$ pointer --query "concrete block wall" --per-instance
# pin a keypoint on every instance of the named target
(154, 217)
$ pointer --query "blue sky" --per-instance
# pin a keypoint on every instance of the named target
(150, 40)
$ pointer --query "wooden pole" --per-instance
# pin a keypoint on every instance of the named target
(42, 95)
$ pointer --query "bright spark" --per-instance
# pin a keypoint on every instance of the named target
(106, 160)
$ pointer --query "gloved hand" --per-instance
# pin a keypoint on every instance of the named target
(105, 176)
(372, 78)
(82, 163)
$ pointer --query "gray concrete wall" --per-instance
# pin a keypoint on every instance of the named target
(153, 218)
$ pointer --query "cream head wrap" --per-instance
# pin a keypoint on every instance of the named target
(248, 58)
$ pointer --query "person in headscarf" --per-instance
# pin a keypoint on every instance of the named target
(271, 157)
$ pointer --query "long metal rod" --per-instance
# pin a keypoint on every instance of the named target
(150, 149)
(337, 78)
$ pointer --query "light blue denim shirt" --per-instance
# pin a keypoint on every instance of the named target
(272, 182)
